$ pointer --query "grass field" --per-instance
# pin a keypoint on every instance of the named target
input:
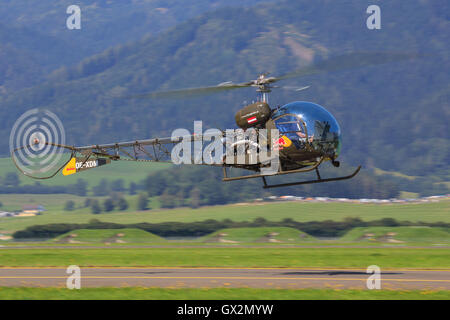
(298, 211)
(229, 257)
(127, 235)
(261, 235)
(258, 235)
(55, 203)
(140, 293)
(129, 171)
(253, 236)
(398, 234)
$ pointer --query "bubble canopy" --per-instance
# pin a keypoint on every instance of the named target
(322, 131)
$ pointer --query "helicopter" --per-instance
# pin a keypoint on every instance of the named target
(299, 135)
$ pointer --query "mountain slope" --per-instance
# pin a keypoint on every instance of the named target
(34, 39)
(26, 56)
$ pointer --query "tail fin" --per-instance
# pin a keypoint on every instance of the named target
(80, 164)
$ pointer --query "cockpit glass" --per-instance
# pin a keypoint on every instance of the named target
(292, 127)
(322, 130)
(289, 124)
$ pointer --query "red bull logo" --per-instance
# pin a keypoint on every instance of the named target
(282, 142)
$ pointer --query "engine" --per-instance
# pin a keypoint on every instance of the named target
(253, 115)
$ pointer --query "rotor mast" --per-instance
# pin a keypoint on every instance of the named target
(264, 88)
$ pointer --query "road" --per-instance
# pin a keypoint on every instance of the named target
(276, 278)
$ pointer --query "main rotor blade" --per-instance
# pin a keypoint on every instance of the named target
(343, 62)
(293, 88)
(348, 61)
(191, 92)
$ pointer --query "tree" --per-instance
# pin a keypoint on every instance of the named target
(95, 207)
(133, 188)
(155, 184)
(118, 185)
(115, 196)
(69, 206)
(195, 198)
(122, 204)
(102, 189)
(142, 201)
(1, 204)
(11, 180)
(108, 205)
(167, 200)
(179, 198)
(80, 188)
(87, 202)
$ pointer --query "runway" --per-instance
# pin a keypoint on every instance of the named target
(275, 278)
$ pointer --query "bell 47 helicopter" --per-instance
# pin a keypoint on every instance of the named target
(299, 136)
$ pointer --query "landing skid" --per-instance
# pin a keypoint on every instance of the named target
(318, 180)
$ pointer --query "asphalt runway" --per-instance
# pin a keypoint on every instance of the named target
(275, 278)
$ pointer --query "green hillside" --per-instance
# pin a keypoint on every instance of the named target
(427, 212)
(23, 63)
(107, 236)
(255, 235)
(34, 39)
(398, 234)
(107, 23)
(128, 171)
